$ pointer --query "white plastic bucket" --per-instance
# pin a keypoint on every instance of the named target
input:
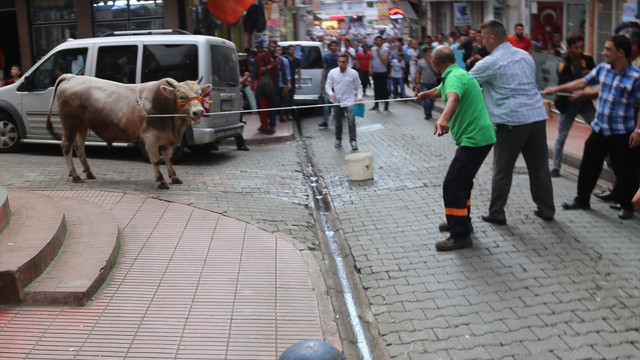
(360, 165)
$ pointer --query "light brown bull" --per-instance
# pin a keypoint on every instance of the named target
(124, 113)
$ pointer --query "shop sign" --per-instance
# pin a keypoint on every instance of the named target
(396, 13)
(461, 14)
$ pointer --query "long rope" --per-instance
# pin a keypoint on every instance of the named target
(283, 108)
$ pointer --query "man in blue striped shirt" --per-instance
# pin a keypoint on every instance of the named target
(508, 80)
(616, 128)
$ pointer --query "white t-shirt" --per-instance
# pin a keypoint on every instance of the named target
(396, 68)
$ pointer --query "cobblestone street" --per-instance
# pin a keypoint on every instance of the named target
(565, 289)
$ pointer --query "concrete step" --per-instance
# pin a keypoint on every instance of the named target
(5, 210)
(30, 242)
(89, 254)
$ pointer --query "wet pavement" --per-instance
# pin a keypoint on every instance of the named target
(530, 289)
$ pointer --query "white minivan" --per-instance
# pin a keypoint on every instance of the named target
(311, 55)
(127, 57)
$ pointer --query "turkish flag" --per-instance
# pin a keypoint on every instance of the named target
(229, 12)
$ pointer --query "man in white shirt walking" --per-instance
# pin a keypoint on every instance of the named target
(343, 86)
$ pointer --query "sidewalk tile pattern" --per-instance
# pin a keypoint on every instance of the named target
(189, 284)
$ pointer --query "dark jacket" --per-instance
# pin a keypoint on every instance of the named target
(567, 71)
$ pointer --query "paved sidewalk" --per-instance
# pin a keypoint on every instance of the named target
(531, 289)
(189, 284)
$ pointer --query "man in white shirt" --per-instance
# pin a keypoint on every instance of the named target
(343, 86)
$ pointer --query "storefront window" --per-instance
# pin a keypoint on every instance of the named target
(45, 11)
(54, 21)
(127, 15)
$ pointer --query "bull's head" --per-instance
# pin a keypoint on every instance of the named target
(188, 94)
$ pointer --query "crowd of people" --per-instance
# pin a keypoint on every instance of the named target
(487, 81)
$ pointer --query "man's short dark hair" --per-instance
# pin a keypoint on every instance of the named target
(623, 43)
(495, 28)
(333, 42)
(379, 37)
(632, 32)
(517, 25)
(273, 42)
(574, 39)
(291, 46)
(344, 55)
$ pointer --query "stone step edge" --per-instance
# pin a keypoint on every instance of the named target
(85, 261)
(37, 225)
(5, 210)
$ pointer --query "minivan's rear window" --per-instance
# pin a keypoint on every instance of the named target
(179, 62)
(310, 56)
(224, 66)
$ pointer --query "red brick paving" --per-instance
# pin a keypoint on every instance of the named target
(189, 284)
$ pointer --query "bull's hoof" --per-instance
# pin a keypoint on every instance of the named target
(77, 179)
(163, 185)
(176, 180)
(90, 176)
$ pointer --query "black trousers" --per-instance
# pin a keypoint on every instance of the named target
(456, 189)
(624, 162)
(380, 91)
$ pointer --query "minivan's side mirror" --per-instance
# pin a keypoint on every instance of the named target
(26, 84)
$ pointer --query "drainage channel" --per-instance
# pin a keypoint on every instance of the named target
(321, 203)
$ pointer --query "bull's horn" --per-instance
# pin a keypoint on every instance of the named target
(199, 80)
(172, 83)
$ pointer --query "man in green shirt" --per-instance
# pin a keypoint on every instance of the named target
(466, 117)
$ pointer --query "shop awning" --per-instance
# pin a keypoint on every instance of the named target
(337, 17)
(406, 8)
(320, 16)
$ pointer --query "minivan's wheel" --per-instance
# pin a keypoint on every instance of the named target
(9, 135)
(177, 152)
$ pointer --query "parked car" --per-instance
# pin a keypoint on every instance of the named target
(127, 57)
(311, 55)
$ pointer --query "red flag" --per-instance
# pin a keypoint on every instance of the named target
(229, 12)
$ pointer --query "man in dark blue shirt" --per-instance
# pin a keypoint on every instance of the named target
(330, 62)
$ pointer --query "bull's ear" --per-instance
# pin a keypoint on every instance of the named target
(172, 83)
(170, 92)
(205, 89)
(199, 80)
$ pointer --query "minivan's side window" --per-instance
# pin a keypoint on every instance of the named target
(224, 66)
(179, 62)
(62, 62)
(117, 63)
(310, 57)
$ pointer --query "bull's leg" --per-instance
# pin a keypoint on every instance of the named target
(81, 139)
(154, 158)
(67, 152)
(168, 160)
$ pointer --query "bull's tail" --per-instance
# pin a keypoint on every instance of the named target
(53, 133)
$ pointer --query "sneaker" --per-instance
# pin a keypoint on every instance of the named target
(555, 172)
(450, 243)
(338, 144)
(323, 124)
(375, 107)
(354, 145)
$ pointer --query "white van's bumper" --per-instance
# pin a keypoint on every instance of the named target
(208, 135)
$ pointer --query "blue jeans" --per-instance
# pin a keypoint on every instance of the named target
(326, 110)
(427, 104)
(398, 82)
(278, 101)
(565, 121)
